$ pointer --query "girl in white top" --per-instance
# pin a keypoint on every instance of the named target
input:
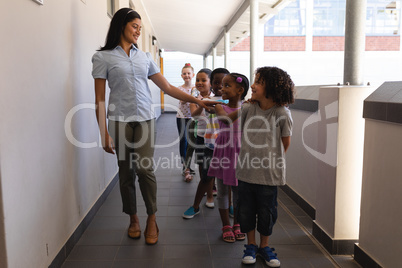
(184, 113)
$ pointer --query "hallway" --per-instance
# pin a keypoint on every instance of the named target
(189, 243)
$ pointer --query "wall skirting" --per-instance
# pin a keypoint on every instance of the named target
(303, 204)
(362, 258)
(333, 246)
(66, 249)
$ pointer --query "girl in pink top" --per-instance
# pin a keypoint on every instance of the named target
(227, 147)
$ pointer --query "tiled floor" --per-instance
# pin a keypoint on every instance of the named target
(189, 243)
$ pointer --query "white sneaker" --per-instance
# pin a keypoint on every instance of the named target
(269, 256)
(210, 204)
(249, 256)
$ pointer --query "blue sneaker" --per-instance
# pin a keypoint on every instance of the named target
(250, 252)
(269, 256)
(190, 213)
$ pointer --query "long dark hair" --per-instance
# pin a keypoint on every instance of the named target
(117, 25)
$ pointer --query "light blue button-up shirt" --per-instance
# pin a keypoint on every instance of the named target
(130, 97)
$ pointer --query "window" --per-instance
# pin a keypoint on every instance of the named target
(290, 21)
(329, 17)
(383, 17)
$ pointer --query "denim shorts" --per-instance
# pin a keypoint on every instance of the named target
(257, 206)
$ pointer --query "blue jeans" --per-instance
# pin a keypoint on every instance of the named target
(181, 128)
(257, 200)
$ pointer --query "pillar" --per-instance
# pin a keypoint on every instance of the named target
(214, 57)
(354, 41)
(227, 48)
(253, 38)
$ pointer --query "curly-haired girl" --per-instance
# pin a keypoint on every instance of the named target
(266, 126)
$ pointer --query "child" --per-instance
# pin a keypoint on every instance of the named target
(227, 147)
(212, 130)
(191, 136)
(207, 127)
(183, 114)
(266, 126)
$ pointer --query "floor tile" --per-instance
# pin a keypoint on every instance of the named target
(87, 264)
(186, 237)
(187, 251)
(92, 253)
(228, 250)
(140, 252)
(141, 263)
(101, 238)
(179, 223)
(188, 262)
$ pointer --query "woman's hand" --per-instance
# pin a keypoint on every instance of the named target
(207, 103)
(108, 144)
(107, 141)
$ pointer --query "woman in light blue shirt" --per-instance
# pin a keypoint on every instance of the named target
(131, 120)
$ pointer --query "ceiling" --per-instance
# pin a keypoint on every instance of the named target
(193, 26)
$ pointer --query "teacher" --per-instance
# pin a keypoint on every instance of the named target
(131, 120)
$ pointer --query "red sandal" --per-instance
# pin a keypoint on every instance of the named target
(187, 176)
(228, 235)
(238, 234)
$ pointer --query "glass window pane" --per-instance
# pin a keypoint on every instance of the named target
(329, 17)
(290, 21)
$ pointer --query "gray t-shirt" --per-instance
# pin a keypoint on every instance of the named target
(262, 156)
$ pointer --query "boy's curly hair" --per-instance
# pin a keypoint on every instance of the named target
(278, 84)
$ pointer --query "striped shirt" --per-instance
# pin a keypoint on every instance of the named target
(212, 129)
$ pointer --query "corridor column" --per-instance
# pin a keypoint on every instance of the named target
(227, 48)
(253, 38)
(341, 138)
(354, 41)
(214, 57)
(309, 25)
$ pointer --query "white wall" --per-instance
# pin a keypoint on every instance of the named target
(325, 158)
(381, 217)
(48, 184)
